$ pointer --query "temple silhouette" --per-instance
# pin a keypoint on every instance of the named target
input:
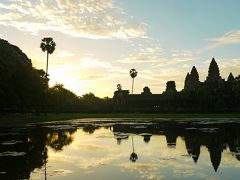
(215, 94)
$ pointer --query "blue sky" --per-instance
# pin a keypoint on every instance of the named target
(186, 23)
(98, 42)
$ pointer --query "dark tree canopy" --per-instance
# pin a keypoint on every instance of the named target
(133, 73)
(21, 85)
(48, 45)
(61, 99)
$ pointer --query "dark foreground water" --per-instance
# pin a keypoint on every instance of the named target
(121, 149)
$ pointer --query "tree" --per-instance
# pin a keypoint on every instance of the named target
(21, 86)
(47, 45)
(91, 103)
(119, 87)
(133, 74)
(61, 99)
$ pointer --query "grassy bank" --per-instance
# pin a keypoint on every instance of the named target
(25, 118)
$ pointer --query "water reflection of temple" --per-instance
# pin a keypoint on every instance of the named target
(215, 137)
(25, 148)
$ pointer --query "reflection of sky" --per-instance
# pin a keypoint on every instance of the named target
(98, 156)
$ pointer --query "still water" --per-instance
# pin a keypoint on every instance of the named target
(121, 149)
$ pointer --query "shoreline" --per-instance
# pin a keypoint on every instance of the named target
(30, 118)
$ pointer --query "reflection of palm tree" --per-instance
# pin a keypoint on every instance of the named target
(48, 45)
(133, 74)
(45, 162)
(133, 156)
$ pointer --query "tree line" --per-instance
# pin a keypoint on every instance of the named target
(24, 88)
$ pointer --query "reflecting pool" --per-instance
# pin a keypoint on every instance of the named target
(121, 149)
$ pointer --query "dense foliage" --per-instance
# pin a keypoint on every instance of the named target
(25, 89)
(22, 87)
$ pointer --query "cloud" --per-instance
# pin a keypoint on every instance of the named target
(93, 77)
(174, 61)
(232, 37)
(139, 58)
(143, 55)
(62, 172)
(229, 65)
(90, 62)
(155, 56)
(183, 53)
(86, 18)
(65, 54)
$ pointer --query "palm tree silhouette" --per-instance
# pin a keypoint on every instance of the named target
(133, 74)
(133, 155)
(48, 45)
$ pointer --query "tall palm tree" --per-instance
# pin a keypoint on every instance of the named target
(48, 45)
(133, 74)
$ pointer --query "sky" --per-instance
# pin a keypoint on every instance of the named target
(99, 41)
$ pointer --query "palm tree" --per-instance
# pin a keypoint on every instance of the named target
(48, 45)
(133, 74)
